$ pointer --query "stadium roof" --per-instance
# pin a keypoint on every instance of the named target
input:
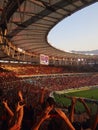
(29, 22)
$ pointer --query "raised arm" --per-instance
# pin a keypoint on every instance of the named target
(95, 123)
(86, 106)
(20, 110)
(45, 115)
(42, 95)
(65, 118)
(72, 111)
(18, 122)
(8, 108)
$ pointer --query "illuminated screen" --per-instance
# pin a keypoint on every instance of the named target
(44, 59)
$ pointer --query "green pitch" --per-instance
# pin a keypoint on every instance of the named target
(87, 92)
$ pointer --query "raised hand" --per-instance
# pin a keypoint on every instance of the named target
(19, 106)
(4, 102)
(20, 95)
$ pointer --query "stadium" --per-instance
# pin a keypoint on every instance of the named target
(42, 87)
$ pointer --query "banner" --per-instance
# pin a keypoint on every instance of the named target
(44, 59)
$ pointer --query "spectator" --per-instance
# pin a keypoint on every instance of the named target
(15, 118)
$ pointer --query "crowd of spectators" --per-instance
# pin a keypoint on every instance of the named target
(44, 114)
(28, 69)
(9, 82)
(28, 92)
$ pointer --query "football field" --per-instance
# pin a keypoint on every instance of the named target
(90, 94)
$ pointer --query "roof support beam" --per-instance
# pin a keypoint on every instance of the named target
(42, 14)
